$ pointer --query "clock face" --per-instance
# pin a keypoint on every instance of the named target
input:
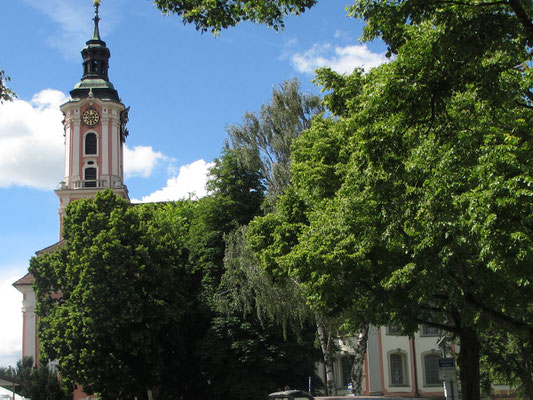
(91, 117)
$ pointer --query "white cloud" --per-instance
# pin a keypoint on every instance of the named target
(10, 318)
(31, 141)
(340, 59)
(190, 181)
(140, 160)
(32, 144)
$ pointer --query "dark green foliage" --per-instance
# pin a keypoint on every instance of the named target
(36, 383)
(127, 295)
(136, 310)
(236, 197)
(241, 356)
(260, 358)
(507, 358)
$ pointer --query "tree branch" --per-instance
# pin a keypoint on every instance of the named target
(523, 18)
(524, 105)
(447, 328)
(483, 4)
(495, 315)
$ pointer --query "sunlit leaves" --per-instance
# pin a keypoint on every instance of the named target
(214, 15)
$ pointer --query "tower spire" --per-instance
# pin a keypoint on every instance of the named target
(96, 19)
(95, 66)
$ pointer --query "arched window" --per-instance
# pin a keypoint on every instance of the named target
(397, 369)
(90, 177)
(90, 143)
(431, 369)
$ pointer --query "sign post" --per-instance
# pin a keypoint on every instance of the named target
(448, 376)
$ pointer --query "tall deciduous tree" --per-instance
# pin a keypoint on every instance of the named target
(264, 138)
(264, 141)
(116, 299)
(418, 196)
(236, 195)
(241, 355)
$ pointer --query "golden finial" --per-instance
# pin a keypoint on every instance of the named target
(96, 19)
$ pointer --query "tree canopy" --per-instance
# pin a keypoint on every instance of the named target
(36, 383)
(415, 199)
(116, 298)
(264, 138)
(126, 302)
(208, 15)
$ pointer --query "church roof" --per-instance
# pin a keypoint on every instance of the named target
(28, 279)
(50, 248)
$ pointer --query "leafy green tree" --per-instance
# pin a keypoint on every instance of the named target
(507, 358)
(264, 141)
(245, 359)
(241, 356)
(39, 383)
(236, 194)
(208, 15)
(115, 300)
(417, 196)
(264, 138)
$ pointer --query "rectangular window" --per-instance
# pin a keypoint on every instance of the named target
(396, 369)
(429, 331)
(431, 367)
(394, 329)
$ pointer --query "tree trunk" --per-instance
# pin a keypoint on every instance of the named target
(468, 361)
(326, 344)
(527, 375)
(359, 348)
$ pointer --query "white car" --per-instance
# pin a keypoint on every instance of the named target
(290, 395)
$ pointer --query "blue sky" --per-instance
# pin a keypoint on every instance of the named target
(183, 87)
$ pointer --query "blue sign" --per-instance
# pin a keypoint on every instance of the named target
(446, 363)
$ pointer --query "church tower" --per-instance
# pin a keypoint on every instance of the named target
(95, 129)
(95, 132)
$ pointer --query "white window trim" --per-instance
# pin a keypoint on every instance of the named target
(97, 144)
(405, 368)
